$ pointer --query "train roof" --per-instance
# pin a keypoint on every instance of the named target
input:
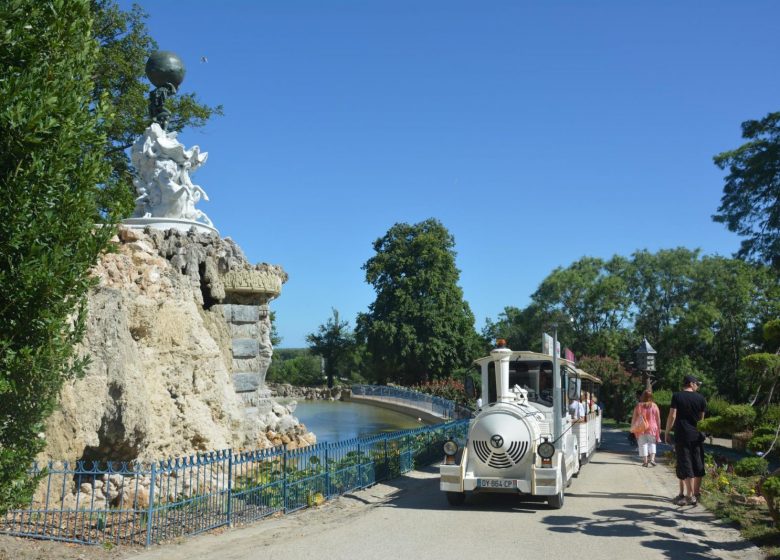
(528, 355)
(585, 375)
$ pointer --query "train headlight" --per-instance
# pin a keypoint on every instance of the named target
(546, 450)
(450, 448)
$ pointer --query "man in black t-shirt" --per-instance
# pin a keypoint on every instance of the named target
(688, 407)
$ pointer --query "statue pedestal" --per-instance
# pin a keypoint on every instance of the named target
(169, 223)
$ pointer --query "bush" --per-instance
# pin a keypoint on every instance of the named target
(51, 164)
(713, 426)
(751, 466)
(738, 417)
(716, 406)
(448, 388)
(770, 415)
(304, 369)
(760, 444)
(765, 431)
(663, 399)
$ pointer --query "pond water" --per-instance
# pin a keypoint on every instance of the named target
(336, 421)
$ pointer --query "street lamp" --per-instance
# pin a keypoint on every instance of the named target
(645, 362)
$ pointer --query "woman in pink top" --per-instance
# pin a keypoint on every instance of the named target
(646, 440)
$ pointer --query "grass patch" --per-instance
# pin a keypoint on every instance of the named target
(612, 423)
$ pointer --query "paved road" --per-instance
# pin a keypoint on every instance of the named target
(615, 509)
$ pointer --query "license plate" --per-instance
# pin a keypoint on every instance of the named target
(496, 483)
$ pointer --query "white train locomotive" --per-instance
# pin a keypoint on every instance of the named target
(524, 440)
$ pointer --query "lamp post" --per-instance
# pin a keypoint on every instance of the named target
(645, 362)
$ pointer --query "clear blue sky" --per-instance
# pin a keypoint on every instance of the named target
(536, 132)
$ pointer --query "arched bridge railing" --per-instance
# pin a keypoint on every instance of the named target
(438, 406)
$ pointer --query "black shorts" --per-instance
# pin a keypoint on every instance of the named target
(690, 459)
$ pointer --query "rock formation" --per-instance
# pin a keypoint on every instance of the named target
(178, 335)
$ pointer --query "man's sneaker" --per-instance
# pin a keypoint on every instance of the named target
(679, 500)
(691, 500)
(652, 463)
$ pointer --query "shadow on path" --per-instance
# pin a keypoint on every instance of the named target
(650, 518)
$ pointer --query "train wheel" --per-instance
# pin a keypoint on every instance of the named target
(456, 498)
(556, 502)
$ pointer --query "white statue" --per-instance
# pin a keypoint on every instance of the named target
(162, 179)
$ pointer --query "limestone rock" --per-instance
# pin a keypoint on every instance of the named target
(160, 379)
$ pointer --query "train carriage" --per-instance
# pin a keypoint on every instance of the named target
(522, 440)
(588, 430)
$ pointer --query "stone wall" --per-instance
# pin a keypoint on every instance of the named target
(286, 390)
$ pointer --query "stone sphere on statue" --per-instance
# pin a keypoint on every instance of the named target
(165, 67)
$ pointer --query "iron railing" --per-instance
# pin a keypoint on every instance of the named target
(137, 503)
(438, 406)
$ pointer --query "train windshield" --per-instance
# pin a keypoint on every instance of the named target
(535, 377)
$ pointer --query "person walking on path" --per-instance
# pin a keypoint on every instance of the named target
(687, 408)
(647, 418)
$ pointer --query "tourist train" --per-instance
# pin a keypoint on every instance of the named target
(526, 438)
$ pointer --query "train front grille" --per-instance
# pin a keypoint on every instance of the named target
(500, 458)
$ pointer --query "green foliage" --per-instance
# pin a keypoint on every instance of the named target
(448, 388)
(335, 342)
(663, 398)
(51, 161)
(674, 371)
(419, 327)
(761, 372)
(750, 205)
(521, 328)
(751, 466)
(760, 444)
(770, 415)
(276, 340)
(595, 300)
(727, 496)
(713, 426)
(619, 388)
(658, 285)
(296, 367)
(120, 78)
(739, 417)
(771, 487)
(764, 431)
(700, 313)
(717, 405)
(771, 332)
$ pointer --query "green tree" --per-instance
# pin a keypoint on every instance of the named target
(659, 286)
(750, 205)
(119, 77)
(334, 341)
(295, 366)
(419, 326)
(521, 328)
(276, 340)
(594, 298)
(771, 335)
(619, 387)
(724, 311)
(52, 151)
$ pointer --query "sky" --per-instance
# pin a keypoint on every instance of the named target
(536, 132)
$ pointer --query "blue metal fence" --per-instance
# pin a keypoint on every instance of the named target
(435, 405)
(136, 503)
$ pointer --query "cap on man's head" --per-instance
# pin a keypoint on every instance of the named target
(688, 379)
